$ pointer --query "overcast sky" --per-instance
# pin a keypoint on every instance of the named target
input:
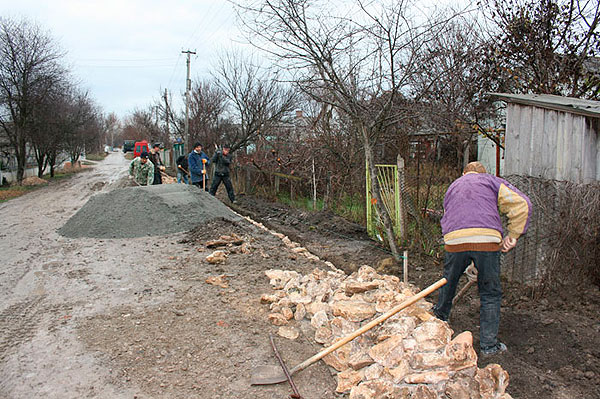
(125, 51)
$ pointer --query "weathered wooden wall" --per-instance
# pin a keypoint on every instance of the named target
(551, 144)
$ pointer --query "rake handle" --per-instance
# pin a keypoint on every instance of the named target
(433, 287)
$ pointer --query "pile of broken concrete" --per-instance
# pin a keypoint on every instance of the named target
(410, 355)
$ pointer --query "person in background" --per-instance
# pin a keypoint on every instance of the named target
(158, 164)
(472, 231)
(182, 169)
(198, 162)
(222, 161)
(141, 170)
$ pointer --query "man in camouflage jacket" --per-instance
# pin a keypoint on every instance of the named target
(142, 170)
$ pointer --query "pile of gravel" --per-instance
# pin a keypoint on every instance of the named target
(145, 211)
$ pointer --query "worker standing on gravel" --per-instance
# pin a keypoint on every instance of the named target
(222, 161)
(472, 231)
(198, 161)
(158, 164)
(141, 170)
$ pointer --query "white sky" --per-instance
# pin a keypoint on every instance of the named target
(126, 51)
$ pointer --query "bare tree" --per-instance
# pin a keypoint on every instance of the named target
(82, 125)
(257, 100)
(546, 46)
(142, 125)
(208, 103)
(29, 68)
(453, 82)
(357, 58)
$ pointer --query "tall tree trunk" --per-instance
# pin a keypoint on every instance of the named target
(21, 154)
(381, 209)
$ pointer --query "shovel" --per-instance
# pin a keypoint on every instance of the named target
(267, 375)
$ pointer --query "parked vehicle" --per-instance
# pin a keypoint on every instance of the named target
(128, 145)
(140, 147)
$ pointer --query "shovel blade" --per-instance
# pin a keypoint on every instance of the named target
(267, 375)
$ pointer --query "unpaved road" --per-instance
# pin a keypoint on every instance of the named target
(134, 318)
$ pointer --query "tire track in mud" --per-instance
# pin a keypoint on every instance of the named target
(19, 322)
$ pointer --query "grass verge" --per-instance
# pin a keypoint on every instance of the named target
(14, 191)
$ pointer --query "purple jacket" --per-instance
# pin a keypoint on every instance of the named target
(471, 208)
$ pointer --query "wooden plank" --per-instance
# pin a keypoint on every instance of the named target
(536, 140)
(511, 139)
(524, 146)
(561, 147)
(577, 128)
(588, 164)
(549, 144)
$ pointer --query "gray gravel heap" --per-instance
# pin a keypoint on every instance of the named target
(145, 211)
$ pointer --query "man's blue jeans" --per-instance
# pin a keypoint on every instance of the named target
(182, 176)
(490, 291)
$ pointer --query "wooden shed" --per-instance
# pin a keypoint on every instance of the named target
(552, 137)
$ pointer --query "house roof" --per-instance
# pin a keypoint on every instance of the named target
(557, 103)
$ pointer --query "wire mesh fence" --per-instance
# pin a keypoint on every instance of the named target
(562, 244)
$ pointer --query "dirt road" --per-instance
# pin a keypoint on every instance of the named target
(134, 318)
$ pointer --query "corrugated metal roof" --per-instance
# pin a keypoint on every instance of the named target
(549, 101)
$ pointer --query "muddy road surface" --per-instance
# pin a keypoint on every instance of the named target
(134, 317)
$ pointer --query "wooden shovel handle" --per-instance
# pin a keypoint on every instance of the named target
(369, 325)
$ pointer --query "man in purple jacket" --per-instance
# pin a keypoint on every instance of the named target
(472, 231)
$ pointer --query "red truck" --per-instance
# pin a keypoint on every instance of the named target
(140, 146)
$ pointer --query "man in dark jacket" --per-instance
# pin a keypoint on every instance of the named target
(182, 169)
(158, 164)
(197, 162)
(473, 232)
(222, 160)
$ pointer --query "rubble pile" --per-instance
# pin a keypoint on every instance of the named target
(410, 355)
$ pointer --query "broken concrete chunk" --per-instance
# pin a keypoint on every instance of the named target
(424, 392)
(266, 298)
(338, 359)
(323, 335)
(432, 335)
(462, 388)
(388, 353)
(427, 377)
(348, 379)
(279, 278)
(300, 312)
(367, 273)
(359, 356)
(428, 360)
(402, 326)
(314, 307)
(492, 380)
(217, 257)
(379, 389)
(342, 327)
(319, 319)
(277, 319)
(288, 332)
(287, 313)
(373, 372)
(355, 287)
(353, 310)
(220, 281)
(460, 352)
(296, 298)
(399, 372)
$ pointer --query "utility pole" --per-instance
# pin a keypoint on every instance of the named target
(166, 97)
(188, 85)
